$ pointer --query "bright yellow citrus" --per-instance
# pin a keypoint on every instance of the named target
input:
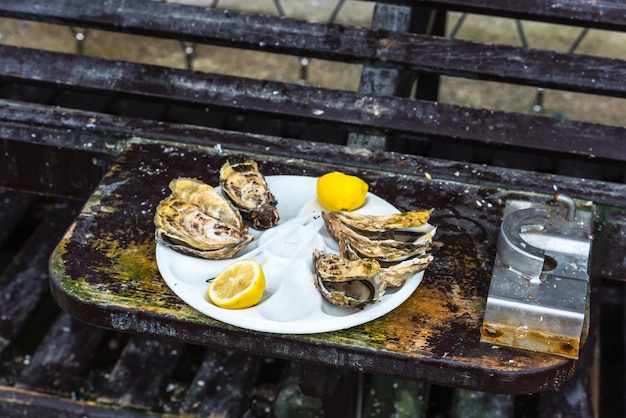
(239, 285)
(339, 191)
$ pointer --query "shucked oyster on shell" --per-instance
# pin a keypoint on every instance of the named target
(198, 221)
(247, 189)
(209, 200)
(399, 242)
(347, 283)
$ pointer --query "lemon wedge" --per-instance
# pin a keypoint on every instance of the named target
(239, 285)
(339, 191)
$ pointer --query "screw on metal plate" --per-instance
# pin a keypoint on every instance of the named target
(539, 285)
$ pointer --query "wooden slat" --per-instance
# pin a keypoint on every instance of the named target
(18, 403)
(414, 52)
(13, 207)
(24, 283)
(222, 385)
(606, 14)
(63, 357)
(466, 228)
(137, 379)
(382, 81)
(37, 159)
(599, 192)
(277, 99)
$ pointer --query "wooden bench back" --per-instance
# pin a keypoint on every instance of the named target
(391, 49)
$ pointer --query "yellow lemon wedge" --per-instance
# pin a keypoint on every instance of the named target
(239, 285)
(339, 191)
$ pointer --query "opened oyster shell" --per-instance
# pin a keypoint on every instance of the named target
(399, 242)
(395, 275)
(247, 189)
(384, 223)
(198, 221)
(209, 200)
(347, 283)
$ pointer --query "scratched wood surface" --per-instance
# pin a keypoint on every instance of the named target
(105, 273)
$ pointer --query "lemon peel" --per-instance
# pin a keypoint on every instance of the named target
(339, 191)
(239, 285)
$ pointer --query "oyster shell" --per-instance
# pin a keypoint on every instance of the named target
(347, 283)
(384, 223)
(382, 246)
(399, 242)
(209, 200)
(247, 189)
(183, 224)
(395, 275)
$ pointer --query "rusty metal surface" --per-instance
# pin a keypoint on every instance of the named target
(105, 273)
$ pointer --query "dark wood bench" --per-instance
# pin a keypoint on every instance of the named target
(62, 153)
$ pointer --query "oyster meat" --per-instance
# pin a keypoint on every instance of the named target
(209, 200)
(247, 189)
(384, 223)
(347, 283)
(399, 242)
(198, 221)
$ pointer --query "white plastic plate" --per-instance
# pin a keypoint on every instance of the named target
(291, 304)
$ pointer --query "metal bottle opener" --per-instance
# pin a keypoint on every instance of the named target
(539, 285)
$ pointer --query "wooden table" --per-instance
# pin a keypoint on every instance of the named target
(105, 273)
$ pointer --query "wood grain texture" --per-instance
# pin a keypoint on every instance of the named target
(111, 279)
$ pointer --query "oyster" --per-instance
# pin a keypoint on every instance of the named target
(198, 221)
(247, 189)
(399, 242)
(347, 283)
(384, 223)
(395, 275)
(209, 200)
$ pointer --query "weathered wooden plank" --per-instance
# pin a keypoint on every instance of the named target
(104, 126)
(62, 359)
(392, 49)
(607, 14)
(13, 208)
(382, 81)
(36, 157)
(18, 403)
(79, 139)
(139, 375)
(25, 281)
(222, 385)
(436, 327)
(390, 397)
(283, 100)
(50, 170)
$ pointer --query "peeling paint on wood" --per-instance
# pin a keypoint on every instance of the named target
(105, 273)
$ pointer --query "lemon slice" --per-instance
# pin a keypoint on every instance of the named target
(239, 285)
(338, 191)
